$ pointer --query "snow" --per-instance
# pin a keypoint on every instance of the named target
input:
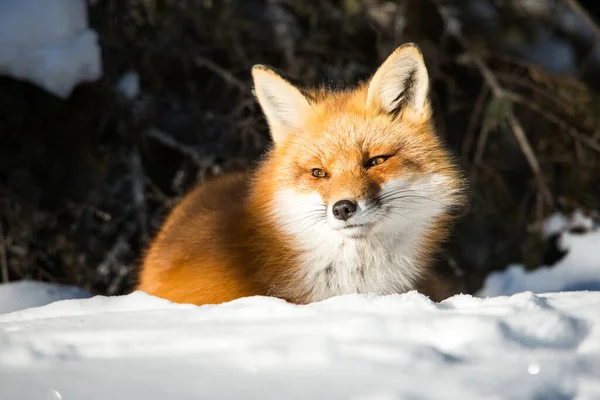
(350, 347)
(48, 43)
(129, 85)
(579, 269)
(530, 344)
(24, 294)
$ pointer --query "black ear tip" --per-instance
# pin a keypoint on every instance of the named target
(410, 46)
(257, 68)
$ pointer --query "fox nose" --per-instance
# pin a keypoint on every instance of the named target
(344, 209)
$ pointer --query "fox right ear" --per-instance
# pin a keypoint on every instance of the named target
(401, 83)
(285, 108)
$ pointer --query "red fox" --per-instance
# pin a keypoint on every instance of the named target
(354, 196)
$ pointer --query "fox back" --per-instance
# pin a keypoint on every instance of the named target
(355, 196)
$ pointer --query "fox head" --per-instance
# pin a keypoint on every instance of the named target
(354, 163)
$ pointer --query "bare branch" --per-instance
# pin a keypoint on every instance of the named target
(137, 189)
(475, 116)
(169, 141)
(481, 144)
(555, 119)
(227, 76)
(585, 16)
(112, 259)
(498, 92)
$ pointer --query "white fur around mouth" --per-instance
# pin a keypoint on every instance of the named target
(356, 231)
(356, 226)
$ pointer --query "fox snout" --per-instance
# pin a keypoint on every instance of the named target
(344, 209)
(352, 217)
(350, 211)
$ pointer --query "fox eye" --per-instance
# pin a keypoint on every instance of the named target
(376, 161)
(318, 173)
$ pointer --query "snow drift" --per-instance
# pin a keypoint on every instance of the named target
(578, 239)
(20, 295)
(48, 43)
(352, 347)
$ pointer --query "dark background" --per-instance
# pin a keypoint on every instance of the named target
(85, 182)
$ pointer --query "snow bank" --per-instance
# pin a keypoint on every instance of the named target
(579, 269)
(350, 347)
(48, 43)
(20, 295)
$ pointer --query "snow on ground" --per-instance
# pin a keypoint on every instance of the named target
(20, 295)
(48, 43)
(523, 346)
(579, 269)
(352, 347)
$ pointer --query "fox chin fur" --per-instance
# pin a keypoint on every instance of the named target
(356, 195)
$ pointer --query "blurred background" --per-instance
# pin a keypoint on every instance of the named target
(93, 157)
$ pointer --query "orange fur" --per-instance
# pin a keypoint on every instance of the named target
(230, 238)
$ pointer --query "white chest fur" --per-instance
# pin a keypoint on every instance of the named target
(368, 265)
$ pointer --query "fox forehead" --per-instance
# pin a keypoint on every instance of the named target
(349, 130)
(353, 137)
(340, 143)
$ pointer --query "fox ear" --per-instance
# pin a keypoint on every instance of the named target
(401, 83)
(285, 108)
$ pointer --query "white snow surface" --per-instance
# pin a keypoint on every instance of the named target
(578, 270)
(15, 296)
(526, 346)
(48, 43)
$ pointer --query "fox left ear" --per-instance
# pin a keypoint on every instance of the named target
(401, 83)
(284, 106)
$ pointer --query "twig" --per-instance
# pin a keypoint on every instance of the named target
(516, 126)
(156, 192)
(481, 143)
(227, 76)
(585, 140)
(137, 190)
(3, 256)
(516, 98)
(509, 78)
(498, 92)
(576, 7)
(169, 141)
(115, 285)
(120, 247)
(469, 137)
(584, 15)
